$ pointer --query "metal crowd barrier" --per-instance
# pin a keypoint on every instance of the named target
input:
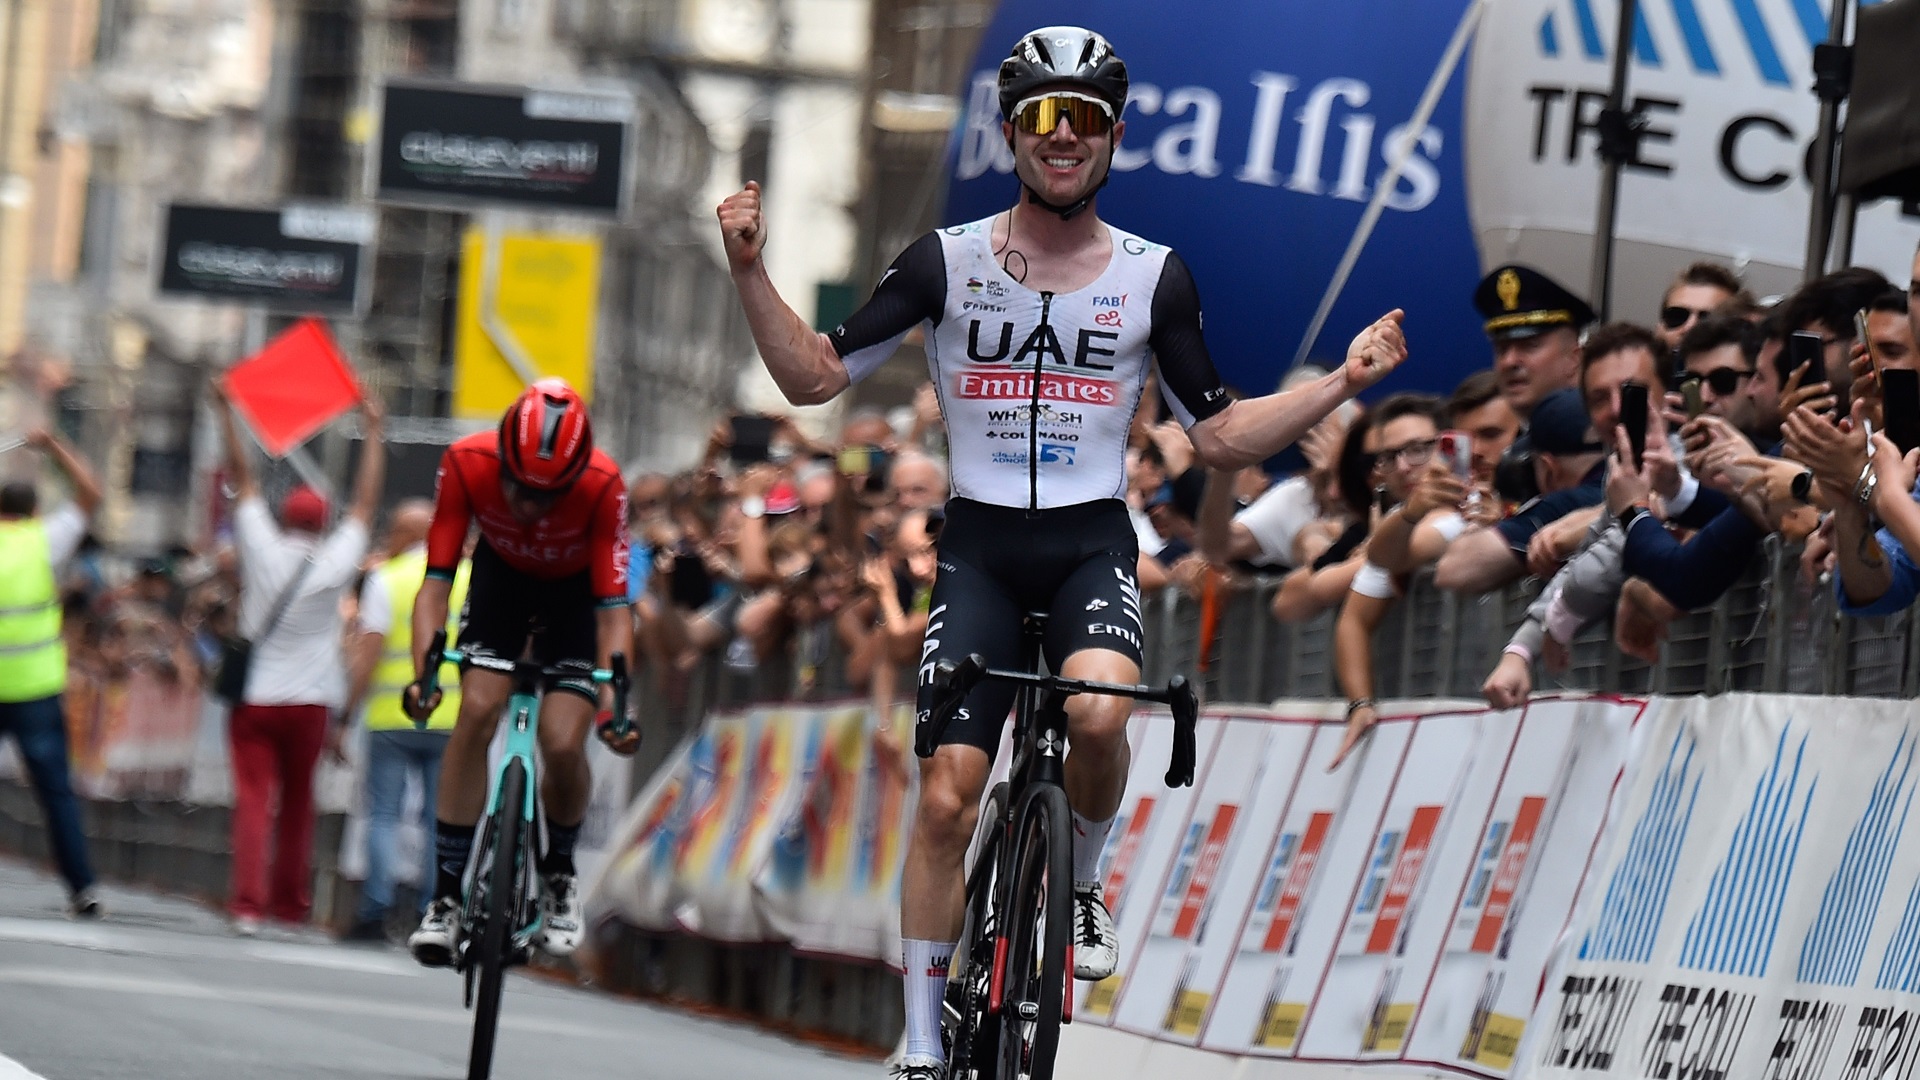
(1771, 632)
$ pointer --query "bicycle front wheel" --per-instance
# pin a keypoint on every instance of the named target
(1039, 927)
(500, 908)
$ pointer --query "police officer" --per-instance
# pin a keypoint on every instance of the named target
(33, 657)
(382, 668)
(1535, 325)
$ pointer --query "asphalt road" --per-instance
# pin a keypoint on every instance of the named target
(161, 990)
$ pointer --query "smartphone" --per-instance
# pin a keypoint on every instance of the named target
(752, 439)
(1860, 335)
(1690, 390)
(1900, 406)
(1633, 413)
(856, 460)
(692, 586)
(1805, 347)
(1456, 449)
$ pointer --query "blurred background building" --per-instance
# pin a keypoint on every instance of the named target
(110, 110)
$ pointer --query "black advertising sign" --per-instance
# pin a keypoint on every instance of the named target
(302, 258)
(451, 145)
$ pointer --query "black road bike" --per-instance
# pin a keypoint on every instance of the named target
(1010, 986)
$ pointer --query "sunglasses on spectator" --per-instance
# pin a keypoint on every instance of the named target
(1725, 380)
(1673, 318)
(1417, 452)
(1040, 115)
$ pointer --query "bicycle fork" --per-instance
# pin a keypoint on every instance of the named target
(1038, 760)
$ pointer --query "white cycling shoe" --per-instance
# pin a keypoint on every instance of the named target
(561, 915)
(1096, 948)
(433, 944)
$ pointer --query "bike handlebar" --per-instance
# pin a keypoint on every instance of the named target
(614, 674)
(954, 681)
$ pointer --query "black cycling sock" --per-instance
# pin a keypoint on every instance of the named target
(452, 847)
(558, 858)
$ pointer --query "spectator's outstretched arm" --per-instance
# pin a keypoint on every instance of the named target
(1404, 540)
(1353, 664)
(86, 486)
(239, 468)
(1479, 561)
(1307, 592)
(372, 472)
(1694, 574)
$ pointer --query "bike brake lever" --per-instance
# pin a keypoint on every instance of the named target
(1186, 718)
(951, 684)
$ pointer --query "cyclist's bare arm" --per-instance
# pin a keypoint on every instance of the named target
(800, 359)
(1254, 429)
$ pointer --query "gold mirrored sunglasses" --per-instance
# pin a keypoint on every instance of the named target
(1040, 115)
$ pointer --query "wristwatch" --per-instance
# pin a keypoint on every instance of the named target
(1802, 487)
(1631, 514)
(753, 506)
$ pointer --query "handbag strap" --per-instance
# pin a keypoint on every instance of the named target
(286, 598)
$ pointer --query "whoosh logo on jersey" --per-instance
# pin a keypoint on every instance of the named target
(1016, 386)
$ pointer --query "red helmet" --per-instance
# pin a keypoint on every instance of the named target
(546, 438)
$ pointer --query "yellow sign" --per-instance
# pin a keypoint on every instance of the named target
(1100, 998)
(528, 297)
(1388, 1030)
(1494, 1040)
(1189, 1008)
(1281, 1026)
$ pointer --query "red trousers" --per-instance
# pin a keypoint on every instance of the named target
(274, 750)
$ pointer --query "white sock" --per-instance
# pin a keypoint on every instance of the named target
(924, 965)
(1089, 839)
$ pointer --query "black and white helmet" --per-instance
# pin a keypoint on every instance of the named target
(1057, 54)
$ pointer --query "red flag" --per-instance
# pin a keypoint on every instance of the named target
(294, 387)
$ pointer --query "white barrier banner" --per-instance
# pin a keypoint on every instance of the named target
(1755, 911)
(1403, 910)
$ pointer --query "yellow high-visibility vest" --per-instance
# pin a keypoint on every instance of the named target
(401, 577)
(33, 658)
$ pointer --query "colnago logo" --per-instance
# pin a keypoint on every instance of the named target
(1016, 386)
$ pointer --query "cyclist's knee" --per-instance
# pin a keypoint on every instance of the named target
(1098, 725)
(480, 705)
(947, 809)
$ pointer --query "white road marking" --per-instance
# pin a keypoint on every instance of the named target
(54, 978)
(107, 938)
(13, 1070)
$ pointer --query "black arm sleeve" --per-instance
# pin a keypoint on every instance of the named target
(1187, 378)
(912, 291)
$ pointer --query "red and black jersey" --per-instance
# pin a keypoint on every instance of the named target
(585, 530)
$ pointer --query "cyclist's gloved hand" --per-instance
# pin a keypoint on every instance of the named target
(411, 704)
(621, 737)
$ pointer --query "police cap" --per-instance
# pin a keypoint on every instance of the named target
(1518, 301)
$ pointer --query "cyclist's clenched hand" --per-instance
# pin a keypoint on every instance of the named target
(742, 229)
(1375, 352)
(411, 704)
(621, 739)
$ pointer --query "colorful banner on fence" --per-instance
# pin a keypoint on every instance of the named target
(775, 824)
(1403, 910)
(1755, 910)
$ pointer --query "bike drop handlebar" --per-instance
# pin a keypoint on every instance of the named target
(954, 681)
(614, 674)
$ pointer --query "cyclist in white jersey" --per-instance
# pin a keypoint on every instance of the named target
(1042, 322)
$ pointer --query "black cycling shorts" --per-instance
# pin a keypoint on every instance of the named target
(1077, 563)
(508, 608)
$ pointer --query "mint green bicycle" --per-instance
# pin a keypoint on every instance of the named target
(501, 910)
